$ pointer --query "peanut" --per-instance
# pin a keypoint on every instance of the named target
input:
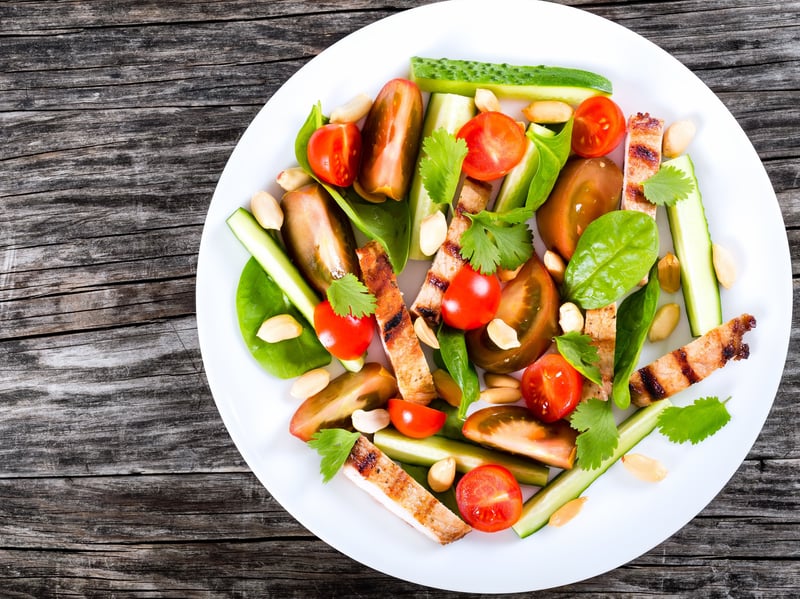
(570, 318)
(486, 101)
(279, 328)
(266, 210)
(502, 335)
(644, 468)
(554, 264)
(432, 233)
(664, 322)
(501, 395)
(567, 512)
(371, 421)
(425, 333)
(724, 265)
(442, 474)
(547, 111)
(677, 138)
(310, 383)
(669, 273)
(293, 178)
(493, 379)
(446, 387)
(352, 111)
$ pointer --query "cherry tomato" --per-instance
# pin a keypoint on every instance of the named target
(346, 337)
(471, 300)
(489, 498)
(495, 144)
(551, 387)
(334, 152)
(598, 128)
(415, 420)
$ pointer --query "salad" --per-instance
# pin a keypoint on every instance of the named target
(508, 364)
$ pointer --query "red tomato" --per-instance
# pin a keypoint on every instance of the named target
(495, 144)
(346, 337)
(598, 128)
(489, 498)
(471, 300)
(334, 152)
(415, 420)
(551, 387)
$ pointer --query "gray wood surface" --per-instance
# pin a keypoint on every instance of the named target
(117, 476)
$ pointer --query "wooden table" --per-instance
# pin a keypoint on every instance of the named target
(117, 476)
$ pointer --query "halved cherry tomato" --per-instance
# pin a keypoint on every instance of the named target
(346, 337)
(415, 420)
(471, 299)
(334, 152)
(489, 498)
(495, 145)
(551, 388)
(598, 128)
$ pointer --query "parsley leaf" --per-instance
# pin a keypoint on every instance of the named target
(334, 445)
(695, 422)
(349, 296)
(599, 436)
(440, 169)
(578, 350)
(668, 186)
(497, 239)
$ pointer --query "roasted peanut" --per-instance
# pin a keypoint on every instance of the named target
(554, 264)
(502, 335)
(493, 379)
(547, 111)
(432, 233)
(677, 138)
(309, 383)
(279, 328)
(664, 322)
(425, 333)
(644, 468)
(266, 210)
(370, 421)
(570, 318)
(352, 111)
(724, 265)
(669, 273)
(567, 512)
(501, 395)
(442, 474)
(486, 101)
(293, 178)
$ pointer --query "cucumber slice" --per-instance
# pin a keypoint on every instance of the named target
(509, 81)
(448, 111)
(428, 451)
(274, 260)
(692, 243)
(569, 484)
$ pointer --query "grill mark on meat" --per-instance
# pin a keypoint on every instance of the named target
(390, 326)
(645, 153)
(436, 281)
(651, 384)
(686, 368)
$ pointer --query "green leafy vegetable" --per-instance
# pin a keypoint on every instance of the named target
(634, 317)
(258, 297)
(334, 445)
(578, 350)
(599, 435)
(453, 351)
(349, 296)
(389, 222)
(497, 239)
(613, 254)
(553, 153)
(440, 169)
(694, 422)
(667, 186)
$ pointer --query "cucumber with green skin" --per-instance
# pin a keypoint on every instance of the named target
(508, 81)
(569, 484)
(692, 243)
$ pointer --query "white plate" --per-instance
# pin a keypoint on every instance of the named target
(623, 518)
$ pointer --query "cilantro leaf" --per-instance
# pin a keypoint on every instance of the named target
(497, 239)
(599, 436)
(349, 296)
(334, 445)
(579, 351)
(440, 169)
(694, 422)
(668, 186)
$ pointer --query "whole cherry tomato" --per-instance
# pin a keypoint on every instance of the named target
(346, 337)
(489, 498)
(415, 420)
(551, 387)
(599, 127)
(334, 153)
(471, 300)
(495, 145)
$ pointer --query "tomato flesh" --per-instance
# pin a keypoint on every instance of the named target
(495, 145)
(415, 420)
(334, 153)
(471, 300)
(599, 127)
(489, 498)
(345, 337)
(551, 388)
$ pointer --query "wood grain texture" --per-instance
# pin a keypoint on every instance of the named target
(117, 476)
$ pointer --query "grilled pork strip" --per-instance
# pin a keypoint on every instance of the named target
(473, 198)
(642, 160)
(394, 488)
(691, 363)
(601, 325)
(400, 342)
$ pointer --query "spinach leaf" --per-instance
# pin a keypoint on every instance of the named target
(553, 153)
(634, 317)
(613, 254)
(577, 349)
(389, 222)
(453, 350)
(258, 297)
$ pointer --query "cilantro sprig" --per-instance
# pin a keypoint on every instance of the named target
(334, 445)
(497, 239)
(349, 296)
(667, 186)
(694, 422)
(598, 436)
(440, 169)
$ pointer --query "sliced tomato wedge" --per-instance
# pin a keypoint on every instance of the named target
(551, 387)
(415, 420)
(334, 153)
(346, 337)
(599, 127)
(489, 498)
(495, 145)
